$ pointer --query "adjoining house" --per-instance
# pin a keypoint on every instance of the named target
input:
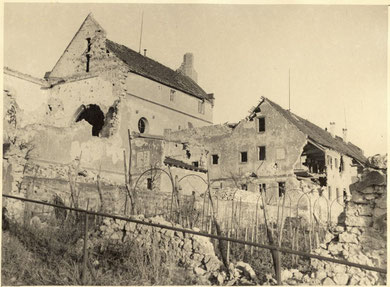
(272, 150)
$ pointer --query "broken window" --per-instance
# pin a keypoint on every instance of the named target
(195, 163)
(282, 188)
(215, 158)
(243, 156)
(261, 124)
(143, 125)
(244, 186)
(94, 116)
(263, 188)
(261, 152)
(149, 183)
(172, 95)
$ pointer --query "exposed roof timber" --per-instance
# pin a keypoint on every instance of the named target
(316, 144)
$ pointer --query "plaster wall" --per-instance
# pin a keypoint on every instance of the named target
(152, 100)
(29, 96)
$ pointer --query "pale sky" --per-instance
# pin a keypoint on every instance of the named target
(337, 54)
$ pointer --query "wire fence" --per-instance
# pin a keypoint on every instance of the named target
(85, 216)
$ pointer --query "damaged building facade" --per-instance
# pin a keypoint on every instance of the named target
(104, 104)
(274, 150)
(95, 94)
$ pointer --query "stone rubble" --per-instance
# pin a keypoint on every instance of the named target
(194, 252)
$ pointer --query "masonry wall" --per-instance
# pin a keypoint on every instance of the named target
(360, 237)
(151, 100)
(283, 142)
(338, 181)
(29, 96)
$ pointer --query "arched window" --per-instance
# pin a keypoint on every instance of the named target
(143, 125)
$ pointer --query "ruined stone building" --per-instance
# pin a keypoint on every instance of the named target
(95, 93)
(273, 149)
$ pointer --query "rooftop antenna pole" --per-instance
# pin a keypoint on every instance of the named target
(345, 119)
(289, 94)
(140, 37)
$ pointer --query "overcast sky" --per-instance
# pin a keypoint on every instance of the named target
(337, 54)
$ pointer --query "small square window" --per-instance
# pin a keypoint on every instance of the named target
(195, 163)
(215, 158)
(282, 188)
(261, 125)
(243, 156)
(244, 186)
(261, 152)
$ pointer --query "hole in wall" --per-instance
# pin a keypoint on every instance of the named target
(94, 116)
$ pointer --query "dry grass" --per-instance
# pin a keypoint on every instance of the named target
(53, 256)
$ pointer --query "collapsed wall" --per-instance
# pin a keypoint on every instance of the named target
(360, 236)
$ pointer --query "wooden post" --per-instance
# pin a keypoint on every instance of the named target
(246, 237)
(228, 249)
(85, 248)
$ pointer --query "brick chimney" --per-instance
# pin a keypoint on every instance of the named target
(187, 67)
(345, 135)
(332, 127)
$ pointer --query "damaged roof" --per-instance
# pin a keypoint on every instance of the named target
(319, 135)
(178, 163)
(153, 70)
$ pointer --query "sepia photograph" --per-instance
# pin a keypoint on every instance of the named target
(221, 143)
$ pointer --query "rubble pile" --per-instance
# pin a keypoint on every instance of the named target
(378, 160)
(236, 194)
(193, 252)
(359, 238)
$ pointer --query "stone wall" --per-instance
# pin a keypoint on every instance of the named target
(360, 236)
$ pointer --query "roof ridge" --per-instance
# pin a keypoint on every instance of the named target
(319, 135)
(156, 71)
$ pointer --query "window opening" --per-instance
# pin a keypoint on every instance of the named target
(261, 124)
(143, 125)
(149, 184)
(201, 107)
(172, 95)
(329, 192)
(261, 152)
(244, 186)
(282, 188)
(215, 158)
(244, 156)
(88, 56)
(94, 116)
(195, 163)
(263, 188)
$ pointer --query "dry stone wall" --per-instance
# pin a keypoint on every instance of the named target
(359, 238)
